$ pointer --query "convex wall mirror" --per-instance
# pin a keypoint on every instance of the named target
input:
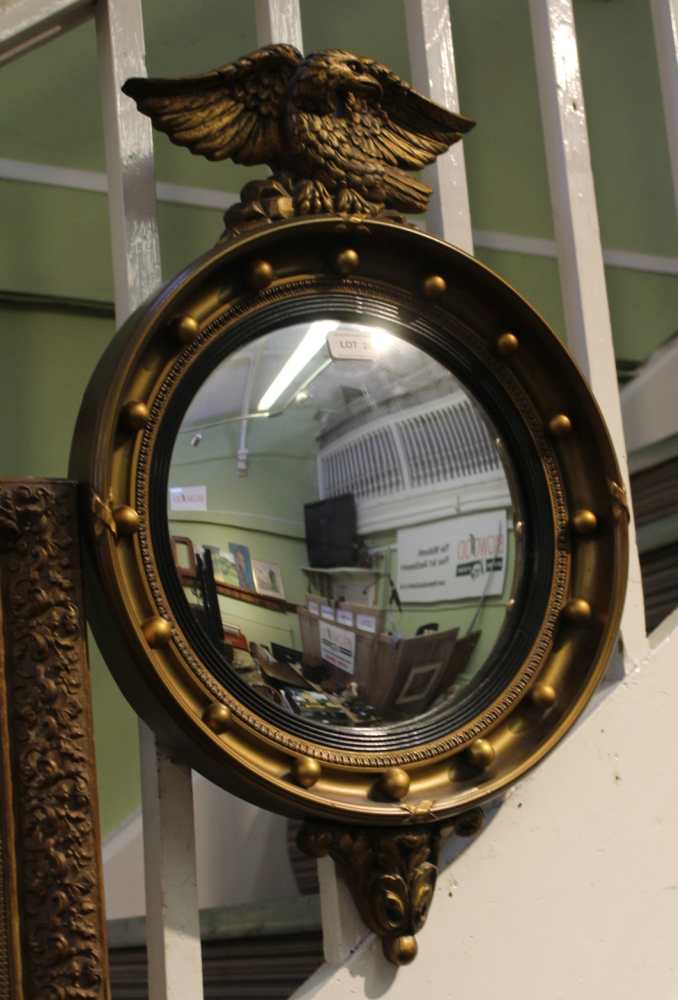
(358, 541)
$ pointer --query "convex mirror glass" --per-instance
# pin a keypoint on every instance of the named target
(343, 520)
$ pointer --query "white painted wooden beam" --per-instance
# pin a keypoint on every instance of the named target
(665, 21)
(173, 926)
(25, 24)
(93, 180)
(582, 274)
(429, 36)
(279, 21)
(180, 194)
(531, 246)
(129, 157)
(343, 928)
(172, 916)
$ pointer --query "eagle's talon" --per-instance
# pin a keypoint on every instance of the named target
(349, 202)
(312, 198)
(272, 187)
(261, 201)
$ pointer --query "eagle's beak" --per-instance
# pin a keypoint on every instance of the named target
(367, 84)
(361, 83)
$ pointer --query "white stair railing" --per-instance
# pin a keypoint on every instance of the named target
(580, 255)
(433, 72)
(172, 916)
(665, 22)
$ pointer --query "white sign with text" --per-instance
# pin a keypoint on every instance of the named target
(337, 646)
(188, 497)
(453, 560)
(351, 345)
(366, 623)
(344, 617)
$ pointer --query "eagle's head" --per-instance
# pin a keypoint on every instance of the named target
(325, 78)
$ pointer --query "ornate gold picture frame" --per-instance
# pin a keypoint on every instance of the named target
(52, 923)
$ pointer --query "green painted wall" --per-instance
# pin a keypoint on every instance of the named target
(47, 361)
(262, 510)
(57, 240)
(273, 466)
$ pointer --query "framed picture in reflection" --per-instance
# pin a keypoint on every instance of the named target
(224, 565)
(184, 555)
(243, 565)
(420, 683)
(268, 579)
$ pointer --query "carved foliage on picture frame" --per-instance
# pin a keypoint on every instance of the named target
(52, 929)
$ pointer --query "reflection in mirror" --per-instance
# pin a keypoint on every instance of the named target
(343, 525)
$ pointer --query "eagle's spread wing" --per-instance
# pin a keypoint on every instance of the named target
(413, 130)
(233, 111)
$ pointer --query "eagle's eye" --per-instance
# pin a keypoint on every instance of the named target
(355, 67)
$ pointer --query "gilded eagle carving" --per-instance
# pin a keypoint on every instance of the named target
(341, 133)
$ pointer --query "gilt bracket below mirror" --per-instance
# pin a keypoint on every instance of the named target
(391, 873)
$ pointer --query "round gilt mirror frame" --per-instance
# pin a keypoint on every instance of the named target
(430, 286)
(573, 525)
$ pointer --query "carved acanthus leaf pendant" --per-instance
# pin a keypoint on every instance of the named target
(391, 874)
(390, 871)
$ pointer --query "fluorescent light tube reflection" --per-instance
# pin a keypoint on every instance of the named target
(310, 345)
(382, 340)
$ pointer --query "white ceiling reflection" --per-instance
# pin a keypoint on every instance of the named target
(292, 369)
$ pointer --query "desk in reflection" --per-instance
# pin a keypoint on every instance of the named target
(347, 675)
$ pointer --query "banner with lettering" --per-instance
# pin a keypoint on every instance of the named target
(453, 560)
